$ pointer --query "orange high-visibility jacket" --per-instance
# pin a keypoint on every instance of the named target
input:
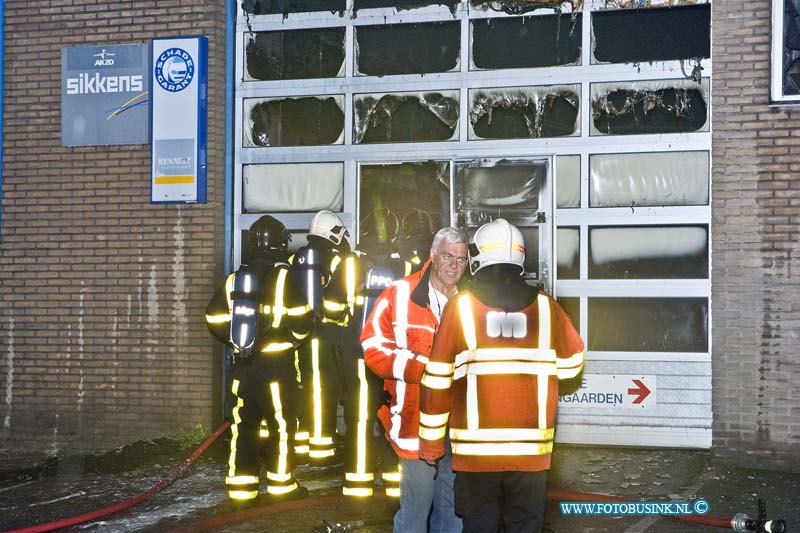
(493, 378)
(396, 339)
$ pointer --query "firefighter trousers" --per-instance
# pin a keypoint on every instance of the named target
(263, 390)
(319, 381)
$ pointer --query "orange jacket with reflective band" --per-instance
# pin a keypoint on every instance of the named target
(492, 380)
(396, 339)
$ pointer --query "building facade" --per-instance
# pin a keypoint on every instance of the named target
(634, 143)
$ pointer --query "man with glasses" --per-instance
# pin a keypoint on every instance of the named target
(397, 339)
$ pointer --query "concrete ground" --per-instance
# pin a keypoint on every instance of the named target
(36, 490)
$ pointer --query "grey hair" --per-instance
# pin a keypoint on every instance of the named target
(451, 235)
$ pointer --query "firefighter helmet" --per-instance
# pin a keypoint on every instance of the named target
(267, 236)
(497, 242)
(330, 227)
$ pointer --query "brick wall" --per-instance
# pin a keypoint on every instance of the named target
(102, 338)
(756, 203)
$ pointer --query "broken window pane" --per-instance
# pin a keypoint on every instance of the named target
(404, 4)
(518, 7)
(667, 106)
(524, 112)
(526, 42)
(572, 306)
(306, 187)
(284, 7)
(652, 34)
(603, 5)
(648, 252)
(407, 48)
(568, 250)
(568, 181)
(648, 324)
(648, 179)
(406, 117)
(487, 189)
(305, 121)
(403, 203)
(295, 55)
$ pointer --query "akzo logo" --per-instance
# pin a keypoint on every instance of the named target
(106, 59)
(174, 69)
(506, 324)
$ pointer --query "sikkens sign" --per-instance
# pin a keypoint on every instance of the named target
(105, 95)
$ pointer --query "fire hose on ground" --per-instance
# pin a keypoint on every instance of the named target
(739, 522)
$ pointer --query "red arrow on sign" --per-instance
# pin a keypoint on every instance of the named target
(641, 389)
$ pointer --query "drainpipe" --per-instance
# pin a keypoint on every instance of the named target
(230, 68)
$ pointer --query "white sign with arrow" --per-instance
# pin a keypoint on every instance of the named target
(610, 390)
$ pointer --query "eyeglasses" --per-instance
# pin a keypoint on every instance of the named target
(460, 259)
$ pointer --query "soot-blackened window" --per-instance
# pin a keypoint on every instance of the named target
(518, 7)
(524, 112)
(406, 117)
(403, 4)
(648, 252)
(398, 202)
(526, 42)
(648, 324)
(295, 55)
(407, 48)
(654, 34)
(284, 7)
(303, 121)
(649, 107)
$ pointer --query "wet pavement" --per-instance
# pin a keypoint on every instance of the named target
(36, 490)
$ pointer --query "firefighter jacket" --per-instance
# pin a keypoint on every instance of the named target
(493, 377)
(397, 339)
(283, 319)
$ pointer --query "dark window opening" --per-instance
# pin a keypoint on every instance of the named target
(405, 118)
(284, 7)
(519, 114)
(407, 48)
(526, 42)
(401, 4)
(654, 34)
(295, 55)
(404, 203)
(648, 324)
(637, 111)
(296, 122)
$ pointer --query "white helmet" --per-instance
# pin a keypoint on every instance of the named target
(497, 242)
(327, 225)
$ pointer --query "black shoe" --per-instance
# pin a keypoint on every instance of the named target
(240, 505)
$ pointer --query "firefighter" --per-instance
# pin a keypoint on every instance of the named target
(493, 378)
(263, 316)
(363, 392)
(313, 266)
